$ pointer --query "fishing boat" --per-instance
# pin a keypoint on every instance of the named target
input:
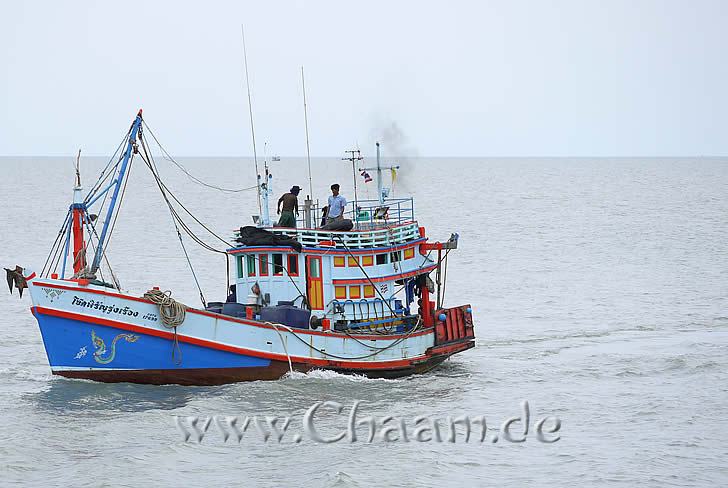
(359, 301)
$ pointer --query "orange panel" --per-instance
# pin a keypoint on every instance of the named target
(339, 261)
(354, 292)
(353, 262)
(367, 261)
(340, 292)
(368, 291)
(409, 253)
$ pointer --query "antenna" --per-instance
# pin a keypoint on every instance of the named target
(355, 155)
(78, 168)
(382, 192)
(305, 119)
(250, 110)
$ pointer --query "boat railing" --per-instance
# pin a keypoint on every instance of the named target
(355, 239)
(368, 214)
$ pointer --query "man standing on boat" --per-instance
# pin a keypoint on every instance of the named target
(290, 205)
(337, 204)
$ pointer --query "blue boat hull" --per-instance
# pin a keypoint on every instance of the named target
(78, 349)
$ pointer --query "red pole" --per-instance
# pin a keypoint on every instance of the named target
(426, 307)
(79, 256)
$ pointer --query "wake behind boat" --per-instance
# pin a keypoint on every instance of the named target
(352, 301)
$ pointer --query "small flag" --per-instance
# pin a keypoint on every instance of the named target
(367, 177)
(394, 175)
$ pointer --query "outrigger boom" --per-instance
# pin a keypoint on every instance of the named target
(301, 298)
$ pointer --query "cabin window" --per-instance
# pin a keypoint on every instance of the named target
(381, 259)
(314, 271)
(355, 292)
(340, 292)
(293, 265)
(263, 261)
(409, 253)
(250, 260)
(339, 261)
(239, 261)
(353, 261)
(396, 256)
(277, 264)
(368, 291)
(367, 260)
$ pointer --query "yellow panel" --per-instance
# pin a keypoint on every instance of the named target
(353, 262)
(368, 291)
(355, 292)
(340, 292)
(316, 298)
(409, 253)
(339, 261)
(367, 260)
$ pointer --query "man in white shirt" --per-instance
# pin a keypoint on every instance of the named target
(337, 204)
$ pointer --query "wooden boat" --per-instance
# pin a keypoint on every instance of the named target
(358, 301)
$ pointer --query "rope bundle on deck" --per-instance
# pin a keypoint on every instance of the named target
(171, 311)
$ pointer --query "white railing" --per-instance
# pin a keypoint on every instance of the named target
(382, 237)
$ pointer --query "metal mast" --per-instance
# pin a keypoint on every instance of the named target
(131, 145)
(380, 181)
(355, 155)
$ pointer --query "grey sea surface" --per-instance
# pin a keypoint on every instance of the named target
(600, 295)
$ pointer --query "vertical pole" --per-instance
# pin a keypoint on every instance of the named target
(250, 111)
(427, 318)
(307, 212)
(379, 180)
(78, 210)
(119, 181)
(356, 212)
(66, 247)
(79, 247)
(308, 150)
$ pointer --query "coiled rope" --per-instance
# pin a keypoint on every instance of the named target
(171, 311)
(172, 314)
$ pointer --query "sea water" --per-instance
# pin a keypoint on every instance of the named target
(600, 296)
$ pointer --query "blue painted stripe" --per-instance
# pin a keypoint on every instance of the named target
(69, 343)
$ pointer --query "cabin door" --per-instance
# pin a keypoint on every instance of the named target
(314, 283)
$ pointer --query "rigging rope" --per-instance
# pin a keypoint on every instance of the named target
(169, 158)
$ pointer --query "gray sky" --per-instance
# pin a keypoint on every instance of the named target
(488, 78)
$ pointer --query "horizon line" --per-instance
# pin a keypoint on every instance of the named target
(664, 156)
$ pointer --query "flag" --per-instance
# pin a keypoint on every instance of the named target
(366, 176)
(394, 175)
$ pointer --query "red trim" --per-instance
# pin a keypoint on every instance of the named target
(227, 318)
(315, 286)
(293, 257)
(280, 270)
(32, 275)
(225, 347)
(385, 278)
(253, 250)
(263, 264)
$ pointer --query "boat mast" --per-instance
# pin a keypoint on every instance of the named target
(131, 145)
(265, 190)
(355, 155)
(381, 191)
(78, 210)
(308, 203)
(250, 111)
(305, 120)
